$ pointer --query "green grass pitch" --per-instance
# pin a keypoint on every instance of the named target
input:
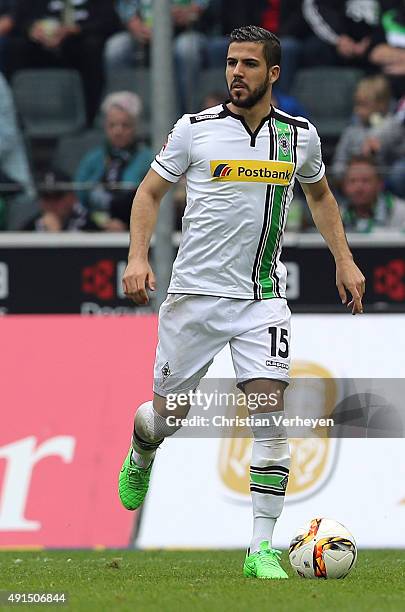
(166, 581)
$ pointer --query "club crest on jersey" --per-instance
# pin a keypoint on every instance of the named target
(166, 370)
(252, 171)
(284, 144)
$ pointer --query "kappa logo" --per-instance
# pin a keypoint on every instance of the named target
(222, 170)
(205, 117)
(252, 171)
(276, 364)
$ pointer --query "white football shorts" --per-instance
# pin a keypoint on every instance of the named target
(195, 328)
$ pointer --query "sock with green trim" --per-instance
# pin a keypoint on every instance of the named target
(269, 472)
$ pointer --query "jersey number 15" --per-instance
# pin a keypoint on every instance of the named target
(282, 341)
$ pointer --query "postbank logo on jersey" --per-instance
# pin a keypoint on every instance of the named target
(252, 171)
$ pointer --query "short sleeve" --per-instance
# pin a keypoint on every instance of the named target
(174, 157)
(313, 169)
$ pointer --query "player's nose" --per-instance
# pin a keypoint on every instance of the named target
(237, 71)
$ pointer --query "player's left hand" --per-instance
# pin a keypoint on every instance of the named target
(349, 277)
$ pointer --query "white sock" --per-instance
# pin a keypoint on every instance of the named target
(268, 478)
(142, 460)
(150, 429)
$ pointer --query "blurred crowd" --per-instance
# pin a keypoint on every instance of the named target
(81, 171)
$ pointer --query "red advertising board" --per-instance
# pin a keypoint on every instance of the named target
(69, 386)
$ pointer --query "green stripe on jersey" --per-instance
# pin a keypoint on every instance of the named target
(284, 141)
(265, 280)
(277, 193)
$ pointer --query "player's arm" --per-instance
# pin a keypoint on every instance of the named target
(326, 216)
(138, 275)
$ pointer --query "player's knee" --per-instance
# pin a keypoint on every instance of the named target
(265, 395)
(151, 426)
(172, 405)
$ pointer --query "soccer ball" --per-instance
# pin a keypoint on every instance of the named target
(323, 548)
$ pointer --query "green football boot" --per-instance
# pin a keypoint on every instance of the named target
(133, 483)
(264, 564)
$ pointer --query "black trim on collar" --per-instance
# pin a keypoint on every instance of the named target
(289, 120)
(273, 114)
(253, 135)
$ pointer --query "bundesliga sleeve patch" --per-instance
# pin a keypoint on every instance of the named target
(247, 171)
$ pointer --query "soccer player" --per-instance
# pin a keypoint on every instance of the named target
(228, 285)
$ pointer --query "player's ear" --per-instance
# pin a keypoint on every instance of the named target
(274, 73)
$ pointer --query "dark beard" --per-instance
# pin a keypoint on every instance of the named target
(251, 100)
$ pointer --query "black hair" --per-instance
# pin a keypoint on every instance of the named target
(270, 42)
(369, 160)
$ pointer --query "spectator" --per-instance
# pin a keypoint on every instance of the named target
(59, 208)
(201, 29)
(14, 168)
(297, 43)
(347, 27)
(271, 16)
(6, 26)
(112, 172)
(372, 120)
(123, 48)
(366, 207)
(392, 145)
(388, 50)
(226, 15)
(63, 34)
(288, 104)
(223, 16)
(325, 32)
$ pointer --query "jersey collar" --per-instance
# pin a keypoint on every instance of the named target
(253, 135)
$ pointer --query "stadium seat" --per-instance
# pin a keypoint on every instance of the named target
(136, 80)
(71, 149)
(327, 94)
(50, 102)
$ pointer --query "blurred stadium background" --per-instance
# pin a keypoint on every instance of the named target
(77, 357)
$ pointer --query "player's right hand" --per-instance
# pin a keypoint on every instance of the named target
(349, 277)
(138, 277)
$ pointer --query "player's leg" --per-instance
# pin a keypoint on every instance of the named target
(269, 470)
(187, 345)
(150, 429)
(261, 359)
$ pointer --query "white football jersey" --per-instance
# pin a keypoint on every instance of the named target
(239, 187)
